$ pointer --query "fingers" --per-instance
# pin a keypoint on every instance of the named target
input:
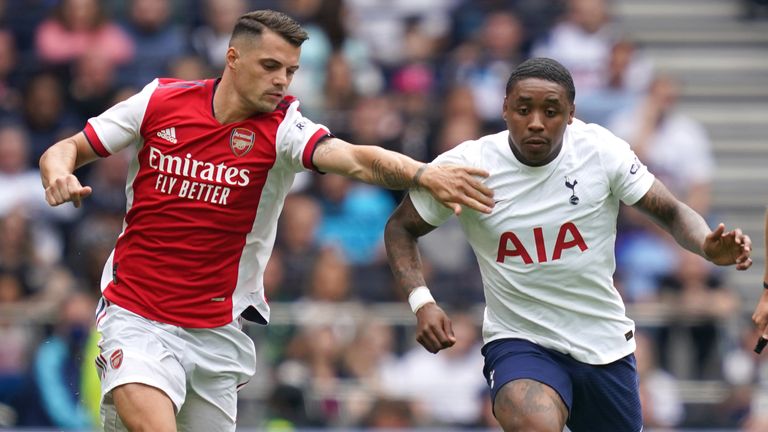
(436, 335)
(464, 187)
(761, 321)
(66, 189)
(455, 207)
(476, 172)
(78, 195)
(717, 233)
(743, 260)
(435, 339)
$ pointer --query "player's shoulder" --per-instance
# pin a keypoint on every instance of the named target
(592, 136)
(172, 88)
(478, 151)
(171, 84)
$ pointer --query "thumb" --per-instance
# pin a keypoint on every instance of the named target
(455, 207)
(78, 196)
(86, 191)
(719, 230)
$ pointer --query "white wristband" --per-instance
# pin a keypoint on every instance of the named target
(418, 297)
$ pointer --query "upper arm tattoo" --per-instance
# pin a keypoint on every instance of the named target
(323, 148)
(659, 203)
(411, 219)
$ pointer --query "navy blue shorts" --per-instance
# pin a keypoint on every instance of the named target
(599, 398)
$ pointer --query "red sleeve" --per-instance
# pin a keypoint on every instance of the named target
(309, 149)
(94, 141)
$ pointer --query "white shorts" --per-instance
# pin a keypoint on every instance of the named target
(199, 369)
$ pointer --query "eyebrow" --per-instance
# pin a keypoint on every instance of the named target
(548, 99)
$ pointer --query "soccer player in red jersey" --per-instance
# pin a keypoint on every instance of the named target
(214, 161)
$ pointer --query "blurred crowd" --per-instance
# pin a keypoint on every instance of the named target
(418, 77)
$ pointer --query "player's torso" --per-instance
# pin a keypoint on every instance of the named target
(547, 217)
(195, 192)
(190, 164)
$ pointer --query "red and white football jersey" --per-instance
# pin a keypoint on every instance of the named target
(203, 201)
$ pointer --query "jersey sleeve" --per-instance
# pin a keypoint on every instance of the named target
(297, 137)
(431, 210)
(629, 178)
(119, 126)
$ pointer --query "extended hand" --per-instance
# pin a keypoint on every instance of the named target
(434, 330)
(455, 186)
(66, 188)
(728, 248)
(760, 317)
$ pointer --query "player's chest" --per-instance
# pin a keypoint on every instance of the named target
(186, 146)
(539, 218)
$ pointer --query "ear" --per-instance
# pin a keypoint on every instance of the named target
(571, 114)
(232, 56)
(504, 109)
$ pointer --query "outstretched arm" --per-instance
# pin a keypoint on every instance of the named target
(691, 231)
(405, 226)
(454, 186)
(760, 317)
(57, 165)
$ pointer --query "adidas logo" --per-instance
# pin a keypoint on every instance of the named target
(168, 134)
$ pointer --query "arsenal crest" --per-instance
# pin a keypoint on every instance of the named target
(241, 141)
(116, 359)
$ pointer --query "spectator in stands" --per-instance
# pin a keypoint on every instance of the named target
(677, 149)
(353, 219)
(390, 414)
(79, 27)
(659, 391)
(189, 68)
(158, 41)
(746, 373)
(421, 377)
(18, 336)
(45, 113)
(10, 99)
(484, 63)
(625, 80)
(298, 244)
(17, 184)
(370, 357)
(211, 39)
(755, 9)
(58, 369)
(93, 86)
(582, 42)
(702, 302)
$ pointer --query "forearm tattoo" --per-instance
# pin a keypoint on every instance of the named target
(388, 176)
(682, 222)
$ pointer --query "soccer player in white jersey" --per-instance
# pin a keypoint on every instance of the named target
(214, 162)
(558, 345)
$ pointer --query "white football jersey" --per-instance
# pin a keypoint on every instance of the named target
(546, 252)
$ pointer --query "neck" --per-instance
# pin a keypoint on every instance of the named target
(227, 105)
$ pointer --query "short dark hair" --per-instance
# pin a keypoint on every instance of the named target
(254, 23)
(546, 69)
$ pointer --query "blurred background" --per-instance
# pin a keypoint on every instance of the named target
(685, 82)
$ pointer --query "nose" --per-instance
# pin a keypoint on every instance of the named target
(535, 123)
(280, 79)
